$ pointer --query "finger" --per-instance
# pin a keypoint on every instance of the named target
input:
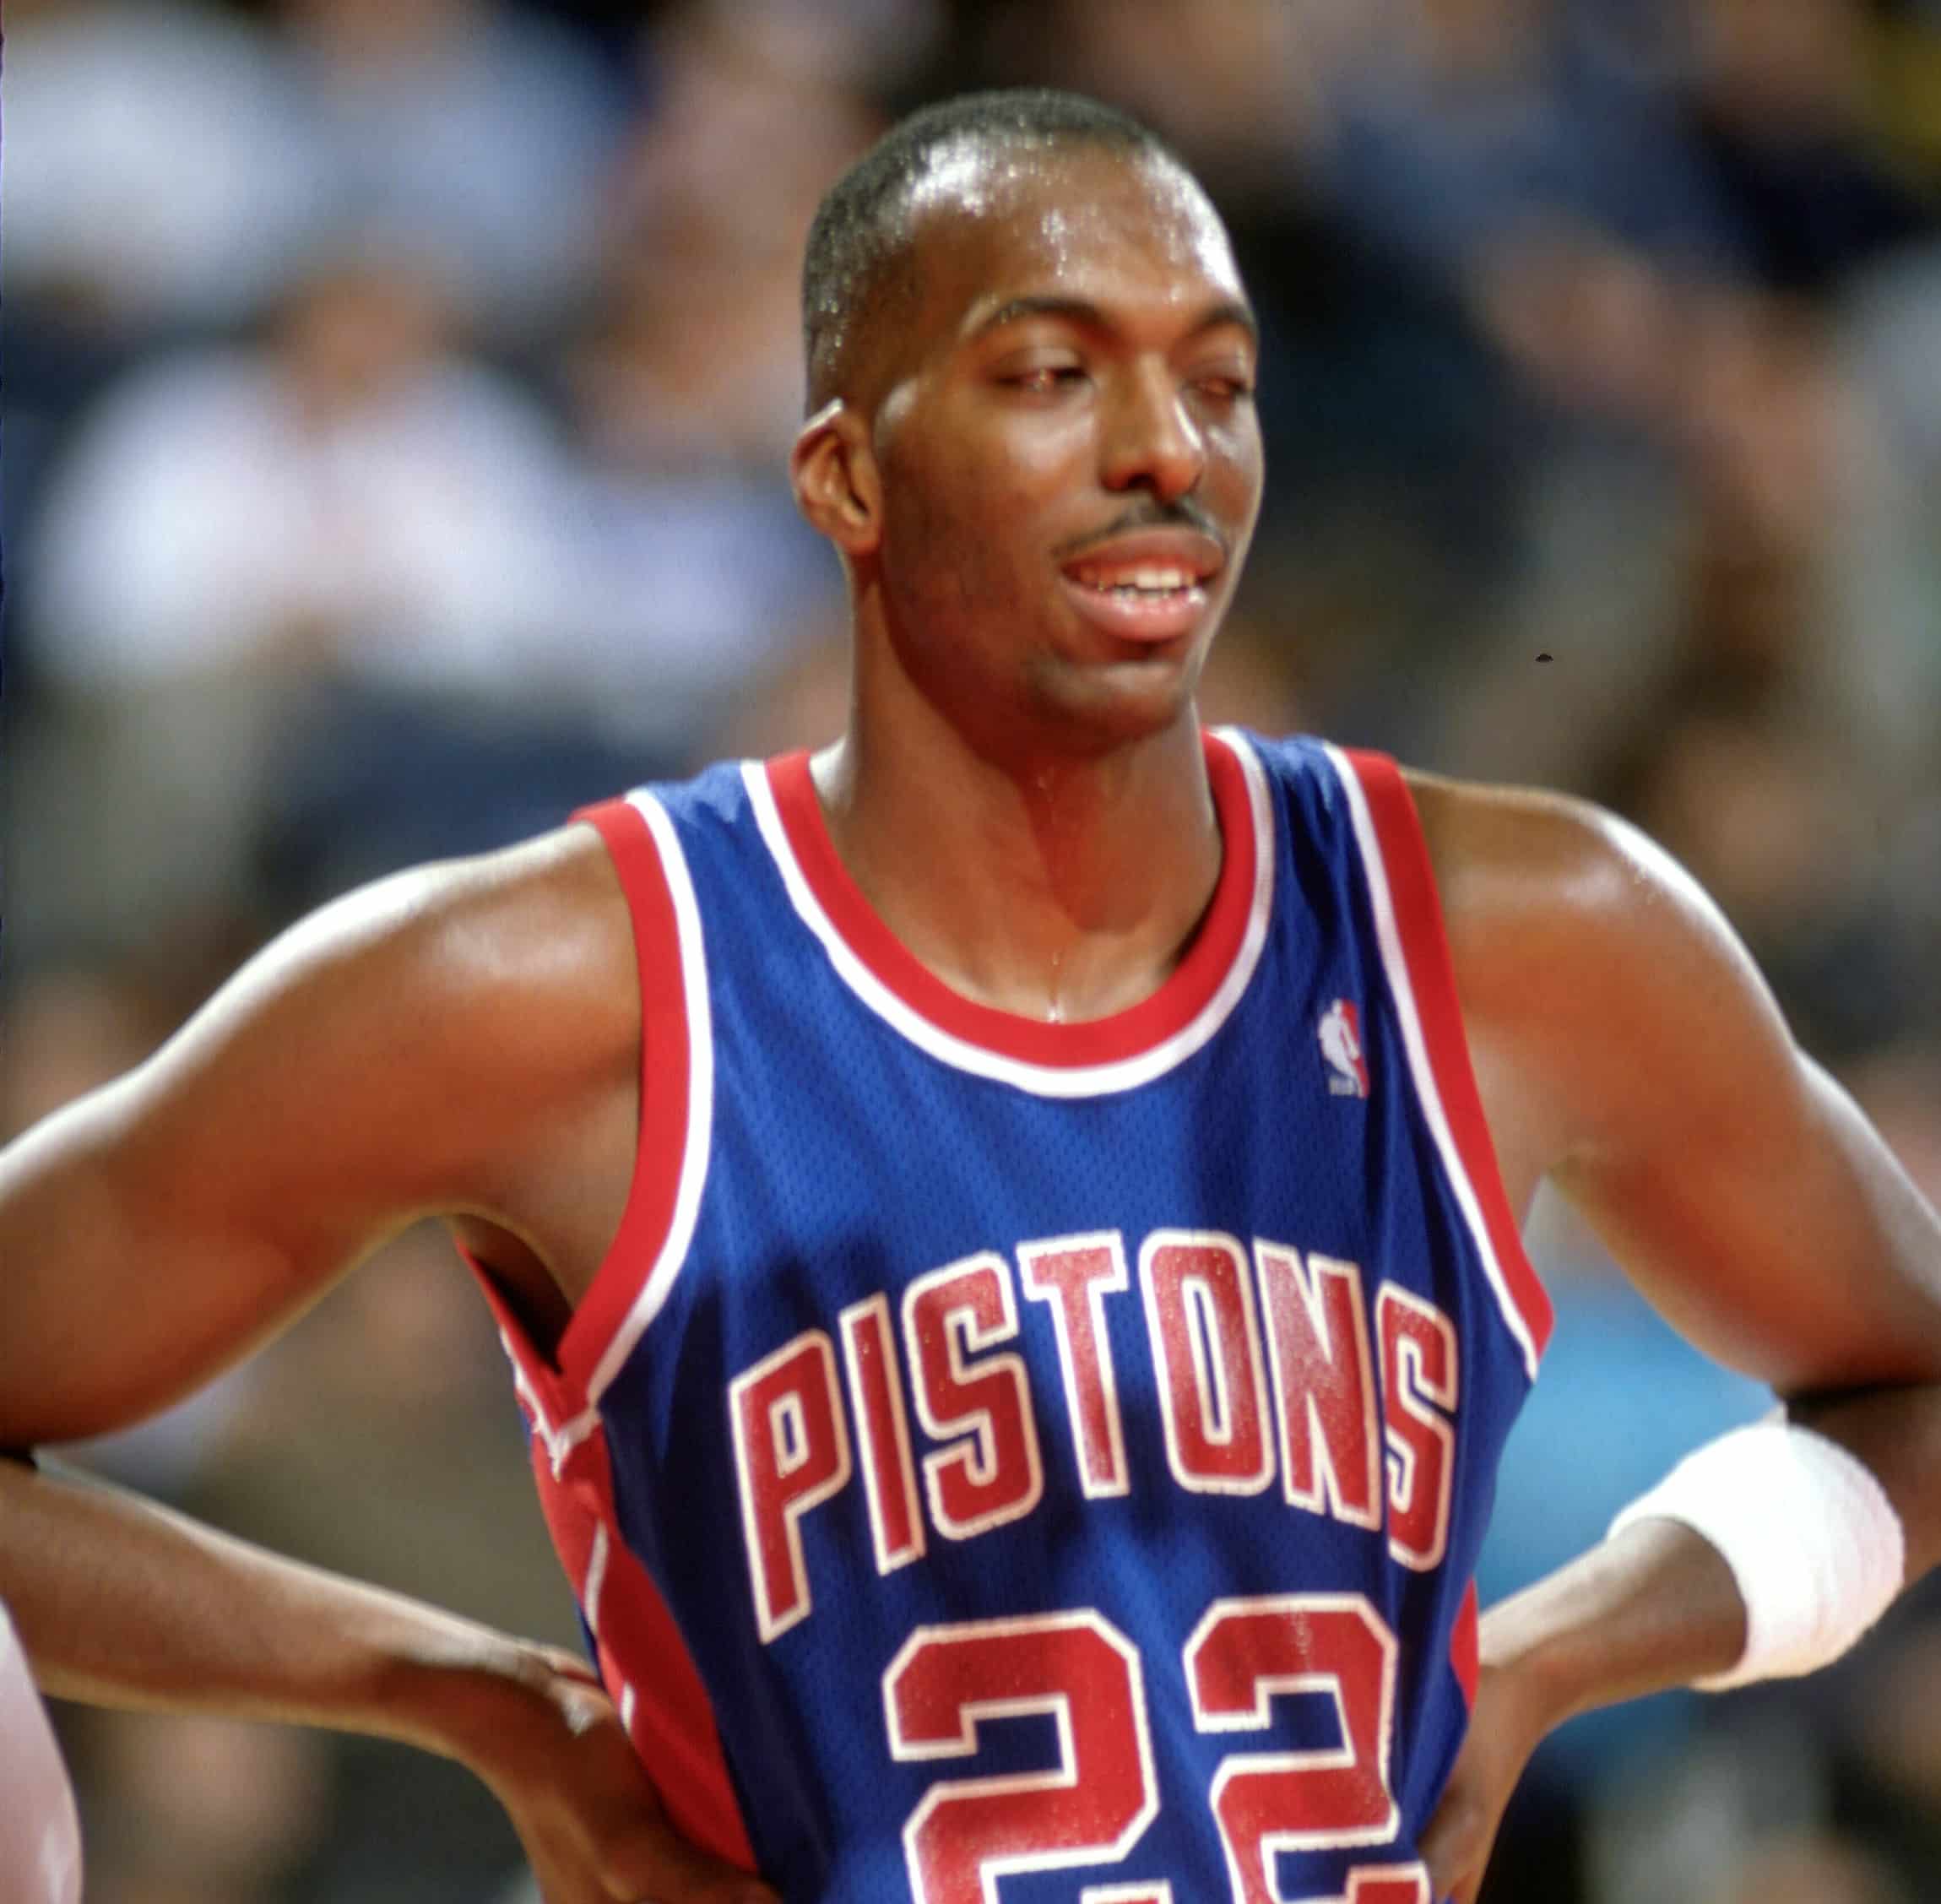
(569, 1665)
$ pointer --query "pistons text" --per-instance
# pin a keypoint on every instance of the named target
(1263, 1366)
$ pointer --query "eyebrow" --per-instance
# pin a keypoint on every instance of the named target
(1078, 311)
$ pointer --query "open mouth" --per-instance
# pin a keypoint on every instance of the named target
(1146, 583)
(1150, 587)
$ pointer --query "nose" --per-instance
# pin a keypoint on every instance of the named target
(1152, 440)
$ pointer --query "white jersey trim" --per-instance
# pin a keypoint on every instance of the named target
(673, 1252)
(1429, 1093)
(1043, 1080)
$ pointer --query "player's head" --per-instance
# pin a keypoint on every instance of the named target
(860, 269)
(1030, 364)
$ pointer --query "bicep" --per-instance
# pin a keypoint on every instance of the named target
(1733, 1180)
(158, 1227)
(374, 1066)
(1785, 1241)
(120, 1288)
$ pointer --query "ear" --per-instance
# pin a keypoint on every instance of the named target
(837, 485)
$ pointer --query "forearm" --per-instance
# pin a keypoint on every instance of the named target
(1658, 1606)
(121, 1603)
(1654, 1608)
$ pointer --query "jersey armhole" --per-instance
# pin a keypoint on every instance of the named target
(1422, 977)
(676, 1096)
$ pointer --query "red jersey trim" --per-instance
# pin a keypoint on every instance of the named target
(1415, 949)
(642, 1657)
(1465, 1646)
(652, 1679)
(676, 1095)
(1095, 1055)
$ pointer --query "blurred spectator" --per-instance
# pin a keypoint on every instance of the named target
(188, 1810)
(869, 47)
(1237, 85)
(153, 177)
(1777, 824)
(1888, 583)
(1904, 74)
(695, 570)
(1779, 111)
(473, 134)
(351, 491)
(476, 136)
(349, 497)
(1699, 559)
(702, 246)
(1822, 1869)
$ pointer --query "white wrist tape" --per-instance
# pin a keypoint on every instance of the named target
(1812, 1539)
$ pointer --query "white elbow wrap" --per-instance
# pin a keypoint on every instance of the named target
(1812, 1539)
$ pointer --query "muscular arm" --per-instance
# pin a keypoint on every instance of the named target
(1628, 1051)
(458, 1041)
(120, 1603)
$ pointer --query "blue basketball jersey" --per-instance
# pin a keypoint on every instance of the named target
(1006, 1462)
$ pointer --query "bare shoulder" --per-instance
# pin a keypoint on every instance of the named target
(1526, 857)
(1597, 977)
(1527, 876)
(541, 926)
(526, 950)
(526, 911)
(400, 1050)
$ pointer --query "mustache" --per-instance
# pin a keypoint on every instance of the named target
(1186, 513)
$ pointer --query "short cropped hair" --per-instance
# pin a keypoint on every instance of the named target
(858, 248)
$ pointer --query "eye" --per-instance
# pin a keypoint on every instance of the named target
(1045, 380)
(1224, 387)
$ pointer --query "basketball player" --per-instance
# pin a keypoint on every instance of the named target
(1005, 1230)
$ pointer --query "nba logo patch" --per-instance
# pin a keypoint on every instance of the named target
(1340, 1032)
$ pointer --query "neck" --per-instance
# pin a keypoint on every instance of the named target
(1060, 888)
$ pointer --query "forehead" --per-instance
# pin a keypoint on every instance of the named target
(991, 223)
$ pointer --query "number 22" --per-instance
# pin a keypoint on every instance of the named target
(1094, 1805)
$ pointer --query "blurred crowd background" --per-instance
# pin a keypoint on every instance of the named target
(396, 402)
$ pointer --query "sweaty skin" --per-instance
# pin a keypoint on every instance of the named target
(1023, 797)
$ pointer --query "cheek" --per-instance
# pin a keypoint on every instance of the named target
(942, 555)
(1237, 466)
(1046, 452)
(986, 493)
(1234, 434)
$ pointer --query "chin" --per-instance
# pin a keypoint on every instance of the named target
(1115, 703)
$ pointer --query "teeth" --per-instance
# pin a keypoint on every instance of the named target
(1140, 581)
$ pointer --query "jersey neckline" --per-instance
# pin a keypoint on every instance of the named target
(1097, 1054)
